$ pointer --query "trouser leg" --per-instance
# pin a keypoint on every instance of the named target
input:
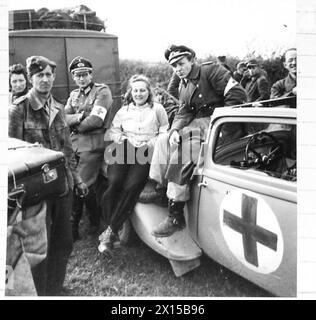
(76, 214)
(135, 181)
(39, 272)
(179, 172)
(77, 209)
(160, 160)
(93, 210)
(116, 180)
(60, 244)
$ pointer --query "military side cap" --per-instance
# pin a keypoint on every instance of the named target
(36, 64)
(80, 64)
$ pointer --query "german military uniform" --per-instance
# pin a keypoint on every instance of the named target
(207, 86)
(87, 111)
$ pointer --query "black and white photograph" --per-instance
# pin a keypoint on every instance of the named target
(125, 120)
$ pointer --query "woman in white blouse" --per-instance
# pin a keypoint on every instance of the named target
(134, 131)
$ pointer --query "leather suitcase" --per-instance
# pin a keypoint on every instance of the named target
(34, 173)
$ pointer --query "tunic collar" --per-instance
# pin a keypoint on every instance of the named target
(36, 100)
(87, 89)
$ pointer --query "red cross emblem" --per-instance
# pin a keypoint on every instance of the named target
(250, 231)
(100, 111)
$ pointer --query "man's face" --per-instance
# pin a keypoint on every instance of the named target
(290, 62)
(182, 67)
(82, 78)
(241, 69)
(43, 81)
(253, 70)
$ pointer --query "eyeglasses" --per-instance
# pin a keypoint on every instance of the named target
(81, 75)
(251, 67)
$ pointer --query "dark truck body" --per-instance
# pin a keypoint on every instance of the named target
(61, 46)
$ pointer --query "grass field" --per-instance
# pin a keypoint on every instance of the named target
(137, 271)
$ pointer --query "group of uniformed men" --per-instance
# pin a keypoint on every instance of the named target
(78, 131)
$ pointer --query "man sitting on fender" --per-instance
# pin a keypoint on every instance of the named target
(202, 89)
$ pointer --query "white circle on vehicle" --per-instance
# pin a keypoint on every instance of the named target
(251, 231)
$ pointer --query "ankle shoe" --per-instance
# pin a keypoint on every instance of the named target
(107, 239)
(168, 227)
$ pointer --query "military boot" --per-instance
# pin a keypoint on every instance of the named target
(93, 212)
(174, 222)
(76, 215)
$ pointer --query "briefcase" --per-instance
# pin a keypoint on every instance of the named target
(34, 173)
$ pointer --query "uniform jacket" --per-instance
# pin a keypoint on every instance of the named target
(29, 121)
(173, 85)
(94, 102)
(14, 96)
(258, 88)
(207, 86)
(283, 87)
(237, 76)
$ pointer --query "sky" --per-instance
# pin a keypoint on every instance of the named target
(145, 28)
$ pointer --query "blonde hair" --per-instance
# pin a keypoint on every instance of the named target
(128, 98)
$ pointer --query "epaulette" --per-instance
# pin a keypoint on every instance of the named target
(100, 85)
(19, 100)
(207, 62)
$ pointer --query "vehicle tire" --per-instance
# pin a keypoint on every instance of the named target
(127, 234)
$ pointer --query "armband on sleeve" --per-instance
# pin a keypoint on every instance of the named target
(99, 111)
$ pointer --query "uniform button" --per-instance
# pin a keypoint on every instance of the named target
(200, 95)
(197, 85)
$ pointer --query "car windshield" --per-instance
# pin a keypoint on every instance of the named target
(268, 148)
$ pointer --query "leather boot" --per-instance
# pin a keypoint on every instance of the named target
(76, 215)
(174, 222)
(93, 212)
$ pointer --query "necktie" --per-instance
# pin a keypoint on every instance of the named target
(46, 108)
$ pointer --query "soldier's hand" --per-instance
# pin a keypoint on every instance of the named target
(80, 117)
(294, 90)
(174, 138)
(82, 190)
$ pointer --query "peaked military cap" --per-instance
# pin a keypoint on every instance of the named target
(36, 64)
(175, 53)
(80, 64)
